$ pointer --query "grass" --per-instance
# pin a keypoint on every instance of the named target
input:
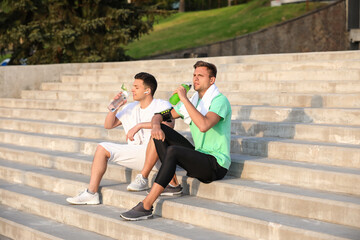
(192, 29)
(3, 57)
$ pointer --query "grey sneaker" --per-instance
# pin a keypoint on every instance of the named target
(139, 184)
(171, 191)
(84, 197)
(137, 213)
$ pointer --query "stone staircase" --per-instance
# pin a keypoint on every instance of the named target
(295, 170)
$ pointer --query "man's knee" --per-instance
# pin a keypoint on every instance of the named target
(100, 150)
(173, 151)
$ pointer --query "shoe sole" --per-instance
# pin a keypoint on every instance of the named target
(82, 203)
(137, 219)
(136, 190)
(171, 194)
(168, 194)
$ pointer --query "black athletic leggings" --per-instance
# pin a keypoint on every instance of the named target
(177, 150)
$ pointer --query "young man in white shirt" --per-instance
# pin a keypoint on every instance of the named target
(136, 120)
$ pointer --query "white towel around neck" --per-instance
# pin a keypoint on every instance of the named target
(204, 104)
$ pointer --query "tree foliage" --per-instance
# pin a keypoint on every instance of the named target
(65, 31)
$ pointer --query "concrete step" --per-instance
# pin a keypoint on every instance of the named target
(279, 59)
(342, 155)
(63, 129)
(338, 116)
(299, 58)
(223, 69)
(100, 219)
(79, 116)
(192, 209)
(260, 194)
(69, 95)
(303, 175)
(246, 59)
(186, 75)
(238, 86)
(320, 87)
(307, 132)
(41, 104)
(295, 99)
(64, 161)
(298, 174)
(16, 224)
(50, 142)
(285, 199)
(235, 98)
(156, 63)
(67, 111)
(297, 131)
(241, 66)
(291, 66)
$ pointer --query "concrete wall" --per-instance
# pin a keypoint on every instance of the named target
(13, 79)
(321, 30)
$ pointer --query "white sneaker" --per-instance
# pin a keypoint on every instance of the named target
(139, 184)
(84, 197)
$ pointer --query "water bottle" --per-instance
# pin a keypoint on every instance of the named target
(116, 102)
(174, 99)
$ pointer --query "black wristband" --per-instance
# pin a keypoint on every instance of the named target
(166, 114)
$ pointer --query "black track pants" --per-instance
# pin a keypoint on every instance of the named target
(177, 150)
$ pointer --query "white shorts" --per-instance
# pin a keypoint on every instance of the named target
(130, 156)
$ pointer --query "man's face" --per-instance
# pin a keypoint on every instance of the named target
(138, 90)
(201, 79)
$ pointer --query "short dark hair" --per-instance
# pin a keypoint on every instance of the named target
(211, 67)
(149, 81)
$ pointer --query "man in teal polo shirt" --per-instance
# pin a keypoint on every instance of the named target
(208, 112)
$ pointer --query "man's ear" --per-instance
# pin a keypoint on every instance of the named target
(212, 80)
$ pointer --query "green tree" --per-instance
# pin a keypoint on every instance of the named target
(65, 31)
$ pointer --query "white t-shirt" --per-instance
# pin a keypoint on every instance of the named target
(132, 114)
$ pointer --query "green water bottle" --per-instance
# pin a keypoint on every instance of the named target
(174, 99)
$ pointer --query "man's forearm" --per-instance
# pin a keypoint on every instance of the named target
(146, 125)
(110, 120)
(156, 120)
(194, 114)
(204, 123)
